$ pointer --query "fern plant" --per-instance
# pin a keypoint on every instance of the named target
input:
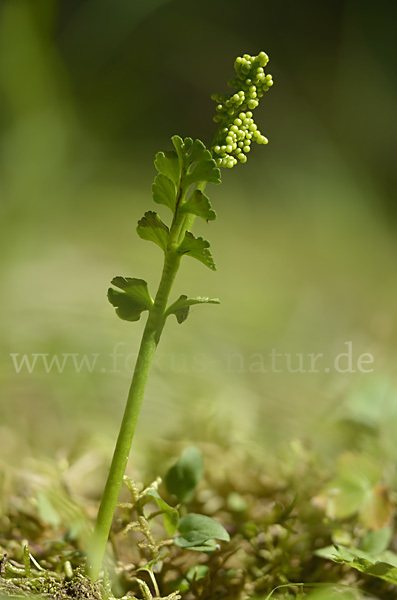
(183, 175)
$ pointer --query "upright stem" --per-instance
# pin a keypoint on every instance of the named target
(150, 340)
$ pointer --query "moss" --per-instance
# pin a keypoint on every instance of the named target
(52, 586)
(274, 517)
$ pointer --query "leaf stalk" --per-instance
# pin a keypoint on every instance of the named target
(150, 339)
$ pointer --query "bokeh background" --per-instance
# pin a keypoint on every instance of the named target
(305, 241)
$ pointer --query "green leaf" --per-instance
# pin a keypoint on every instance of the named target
(208, 547)
(236, 503)
(197, 530)
(195, 525)
(181, 147)
(135, 288)
(356, 489)
(152, 228)
(199, 204)
(133, 300)
(191, 538)
(197, 248)
(198, 152)
(182, 478)
(46, 510)
(182, 312)
(168, 164)
(181, 307)
(126, 308)
(196, 161)
(197, 572)
(170, 515)
(363, 561)
(205, 170)
(376, 542)
(343, 498)
(329, 593)
(363, 470)
(190, 151)
(164, 191)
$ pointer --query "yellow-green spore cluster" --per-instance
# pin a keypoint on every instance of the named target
(237, 128)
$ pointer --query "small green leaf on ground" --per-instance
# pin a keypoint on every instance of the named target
(208, 547)
(199, 204)
(152, 228)
(236, 503)
(197, 572)
(198, 530)
(376, 542)
(197, 248)
(363, 561)
(170, 515)
(181, 307)
(357, 489)
(182, 478)
(46, 510)
(330, 593)
(203, 527)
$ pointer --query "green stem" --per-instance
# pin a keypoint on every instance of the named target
(189, 217)
(150, 340)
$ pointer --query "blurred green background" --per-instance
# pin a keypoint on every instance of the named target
(305, 240)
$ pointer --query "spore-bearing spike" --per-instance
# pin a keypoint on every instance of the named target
(233, 112)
